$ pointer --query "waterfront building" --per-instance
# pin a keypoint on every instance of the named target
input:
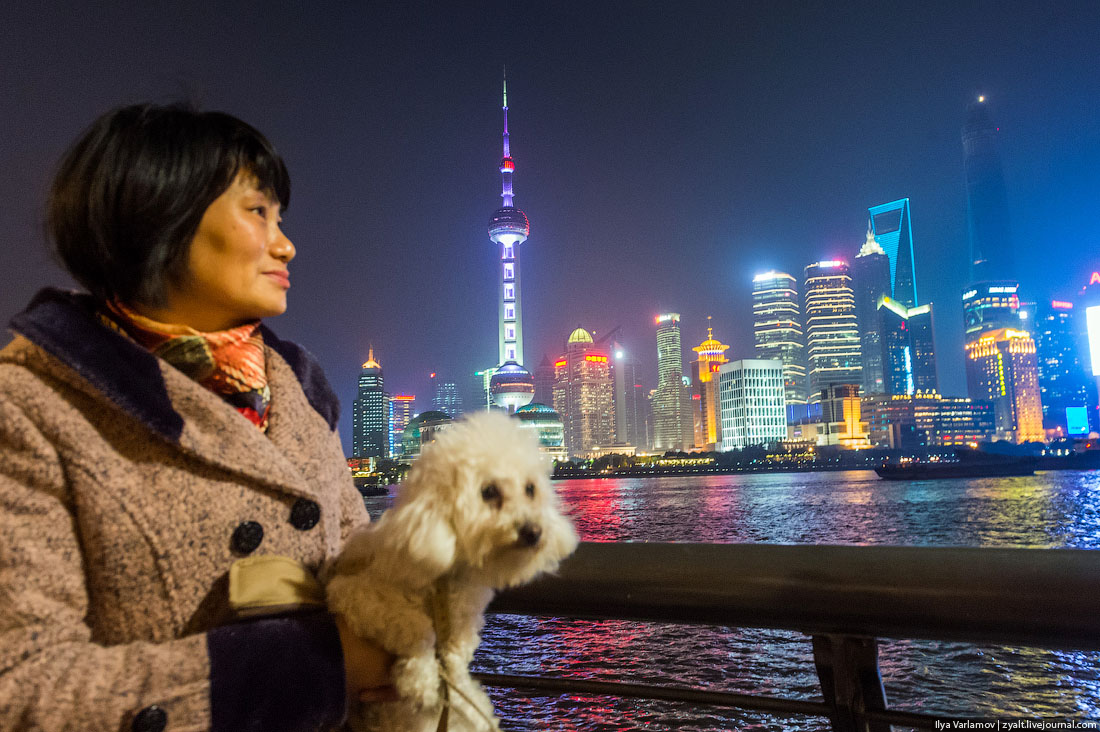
(911, 422)
(508, 229)
(482, 380)
(1001, 367)
(752, 403)
(369, 415)
(629, 398)
(777, 329)
(544, 381)
(445, 397)
(907, 348)
(706, 411)
(842, 417)
(871, 282)
(991, 305)
(892, 228)
(583, 393)
(668, 401)
(991, 252)
(421, 430)
(401, 412)
(548, 427)
(1064, 378)
(832, 334)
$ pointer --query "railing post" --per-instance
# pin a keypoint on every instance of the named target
(847, 667)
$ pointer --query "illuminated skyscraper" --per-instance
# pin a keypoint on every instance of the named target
(509, 228)
(583, 394)
(1064, 378)
(668, 402)
(893, 230)
(777, 329)
(544, 382)
(629, 399)
(871, 282)
(1001, 368)
(832, 335)
(401, 411)
(991, 256)
(752, 407)
(907, 350)
(704, 380)
(445, 396)
(991, 305)
(369, 418)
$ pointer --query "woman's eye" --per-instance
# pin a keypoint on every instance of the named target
(261, 210)
(530, 490)
(490, 493)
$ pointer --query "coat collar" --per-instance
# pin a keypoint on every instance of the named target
(65, 325)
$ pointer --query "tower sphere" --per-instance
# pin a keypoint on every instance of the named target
(509, 225)
(512, 386)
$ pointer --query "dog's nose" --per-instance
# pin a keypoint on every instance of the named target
(529, 535)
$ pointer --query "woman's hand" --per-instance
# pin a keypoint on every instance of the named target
(366, 665)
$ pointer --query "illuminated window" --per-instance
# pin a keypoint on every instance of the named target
(507, 252)
(509, 271)
(509, 312)
(510, 353)
(510, 332)
(509, 292)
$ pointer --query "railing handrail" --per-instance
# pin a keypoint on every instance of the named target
(1028, 597)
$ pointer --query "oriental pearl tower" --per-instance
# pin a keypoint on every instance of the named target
(512, 386)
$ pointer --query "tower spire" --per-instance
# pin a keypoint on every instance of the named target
(506, 164)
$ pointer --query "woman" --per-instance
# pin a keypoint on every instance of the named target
(152, 434)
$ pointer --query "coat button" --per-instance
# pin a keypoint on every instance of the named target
(150, 719)
(305, 514)
(247, 537)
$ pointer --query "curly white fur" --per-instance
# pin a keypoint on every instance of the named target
(476, 514)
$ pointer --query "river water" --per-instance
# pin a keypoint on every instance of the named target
(1049, 510)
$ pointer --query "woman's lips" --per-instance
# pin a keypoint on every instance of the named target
(283, 278)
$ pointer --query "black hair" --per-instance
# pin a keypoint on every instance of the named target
(130, 193)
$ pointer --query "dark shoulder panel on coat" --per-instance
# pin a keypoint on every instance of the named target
(310, 375)
(64, 324)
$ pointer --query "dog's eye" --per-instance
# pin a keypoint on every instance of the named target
(530, 490)
(490, 492)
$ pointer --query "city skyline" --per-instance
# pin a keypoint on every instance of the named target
(665, 160)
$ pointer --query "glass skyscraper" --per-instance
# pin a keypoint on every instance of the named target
(1001, 368)
(832, 334)
(892, 228)
(1064, 376)
(871, 283)
(907, 349)
(991, 256)
(777, 329)
(668, 400)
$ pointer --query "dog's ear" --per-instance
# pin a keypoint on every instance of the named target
(423, 537)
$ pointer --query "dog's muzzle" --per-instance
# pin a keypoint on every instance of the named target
(528, 535)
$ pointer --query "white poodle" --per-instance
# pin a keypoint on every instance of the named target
(476, 514)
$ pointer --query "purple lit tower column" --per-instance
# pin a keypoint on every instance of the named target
(512, 386)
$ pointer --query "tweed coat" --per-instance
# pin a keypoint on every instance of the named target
(126, 492)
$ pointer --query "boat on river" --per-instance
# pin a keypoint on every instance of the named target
(967, 464)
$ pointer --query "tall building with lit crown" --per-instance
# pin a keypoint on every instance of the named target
(751, 403)
(704, 380)
(369, 416)
(871, 282)
(508, 228)
(991, 305)
(777, 329)
(832, 334)
(629, 399)
(1001, 368)
(668, 401)
(583, 394)
(907, 348)
(893, 230)
(400, 412)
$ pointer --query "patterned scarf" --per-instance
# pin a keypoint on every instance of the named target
(229, 363)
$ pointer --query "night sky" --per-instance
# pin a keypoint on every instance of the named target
(664, 154)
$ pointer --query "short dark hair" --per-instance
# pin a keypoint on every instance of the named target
(130, 193)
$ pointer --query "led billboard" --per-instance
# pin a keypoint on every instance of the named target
(1077, 420)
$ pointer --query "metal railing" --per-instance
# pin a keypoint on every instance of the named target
(844, 598)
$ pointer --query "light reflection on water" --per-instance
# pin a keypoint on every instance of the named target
(1052, 509)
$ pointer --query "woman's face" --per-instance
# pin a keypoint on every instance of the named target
(237, 263)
